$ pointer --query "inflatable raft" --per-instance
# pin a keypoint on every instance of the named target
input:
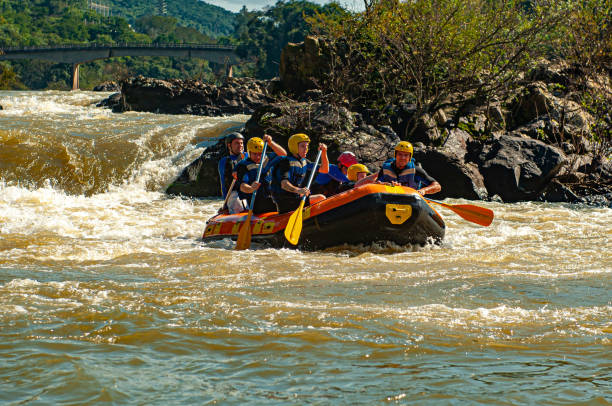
(370, 213)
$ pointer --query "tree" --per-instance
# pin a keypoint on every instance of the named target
(434, 54)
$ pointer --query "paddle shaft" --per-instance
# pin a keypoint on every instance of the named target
(294, 224)
(228, 193)
(261, 162)
(244, 236)
(312, 173)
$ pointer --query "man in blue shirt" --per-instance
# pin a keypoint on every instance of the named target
(291, 173)
(402, 170)
(235, 149)
(246, 174)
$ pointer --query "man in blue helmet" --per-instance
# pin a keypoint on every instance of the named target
(235, 148)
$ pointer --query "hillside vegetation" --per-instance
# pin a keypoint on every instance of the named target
(259, 35)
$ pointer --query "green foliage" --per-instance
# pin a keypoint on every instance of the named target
(262, 35)
(429, 51)
(208, 19)
(51, 22)
(9, 79)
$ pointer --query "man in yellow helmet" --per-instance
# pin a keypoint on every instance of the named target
(402, 170)
(357, 172)
(290, 174)
(246, 174)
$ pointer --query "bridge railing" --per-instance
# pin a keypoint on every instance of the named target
(117, 45)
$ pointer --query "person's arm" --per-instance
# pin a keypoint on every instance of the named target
(278, 150)
(336, 173)
(324, 161)
(285, 184)
(431, 185)
(368, 179)
(240, 171)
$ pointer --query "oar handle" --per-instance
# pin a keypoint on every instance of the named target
(261, 162)
(228, 192)
(312, 173)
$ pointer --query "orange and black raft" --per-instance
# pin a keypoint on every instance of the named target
(367, 214)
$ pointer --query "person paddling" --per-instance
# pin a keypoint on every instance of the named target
(402, 170)
(289, 175)
(246, 174)
(235, 148)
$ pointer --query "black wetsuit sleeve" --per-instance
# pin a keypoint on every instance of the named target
(240, 170)
(284, 169)
(422, 178)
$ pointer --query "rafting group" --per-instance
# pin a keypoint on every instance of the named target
(271, 197)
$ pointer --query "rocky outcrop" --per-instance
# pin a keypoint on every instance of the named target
(233, 96)
(517, 168)
(109, 86)
(303, 65)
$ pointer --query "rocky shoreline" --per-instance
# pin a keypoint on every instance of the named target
(511, 164)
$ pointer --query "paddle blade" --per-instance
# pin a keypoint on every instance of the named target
(475, 214)
(294, 225)
(244, 235)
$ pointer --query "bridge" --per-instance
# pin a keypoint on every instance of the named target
(78, 54)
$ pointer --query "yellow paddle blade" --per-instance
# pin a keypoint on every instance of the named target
(244, 235)
(294, 225)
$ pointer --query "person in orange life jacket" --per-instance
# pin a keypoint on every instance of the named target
(246, 174)
(402, 170)
(235, 147)
(290, 174)
(335, 181)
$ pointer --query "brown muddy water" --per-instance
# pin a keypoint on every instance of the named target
(109, 296)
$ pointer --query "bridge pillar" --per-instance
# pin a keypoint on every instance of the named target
(229, 72)
(75, 76)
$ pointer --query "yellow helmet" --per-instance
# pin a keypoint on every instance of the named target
(404, 146)
(294, 140)
(255, 144)
(353, 170)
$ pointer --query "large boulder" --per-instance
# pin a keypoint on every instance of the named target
(201, 177)
(108, 86)
(448, 165)
(303, 65)
(518, 168)
(234, 96)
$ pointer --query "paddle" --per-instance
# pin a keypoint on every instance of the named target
(475, 214)
(244, 236)
(294, 225)
(228, 194)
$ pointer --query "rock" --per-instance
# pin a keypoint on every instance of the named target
(1, 108)
(517, 168)
(448, 166)
(234, 96)
(201, 177)
(109, 86)
(113, 101)
(303, 66)
(555, 192)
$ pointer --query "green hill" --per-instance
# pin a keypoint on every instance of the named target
(211, 20)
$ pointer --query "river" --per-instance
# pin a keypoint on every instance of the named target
(109, 296)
